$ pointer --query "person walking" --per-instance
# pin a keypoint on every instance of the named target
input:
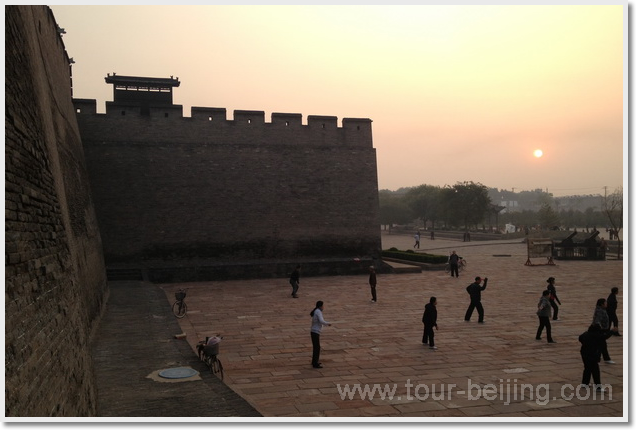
(294, 280)
(543, 312)
(373, 280)
(612, 307)
(553, 299)
(602, 319)
(475, 290)
(591, 349)
(453, 260)
(430, 321)
(317, 322)
(417, 240)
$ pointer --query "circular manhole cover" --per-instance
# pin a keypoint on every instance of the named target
(178, 373)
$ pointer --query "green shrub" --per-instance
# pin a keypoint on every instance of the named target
(412, 256)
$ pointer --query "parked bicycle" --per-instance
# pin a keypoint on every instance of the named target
(461, 265)
(208, 353)
(179, 308)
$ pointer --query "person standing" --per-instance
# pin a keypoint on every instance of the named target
(373, 280)
(603, 247)
(553, 298)
(591, 346)
(417, 240)
(612, 307)
(317, 322)
(430, 321)
(453, 260)
(475, 290)
(294, 280)
(602, 319)
(543, 312)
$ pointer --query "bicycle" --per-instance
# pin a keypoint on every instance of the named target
(461, 265)
(179, 308)
(208, 353)
(215, 365)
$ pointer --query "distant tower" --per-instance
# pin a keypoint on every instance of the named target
(141, 91)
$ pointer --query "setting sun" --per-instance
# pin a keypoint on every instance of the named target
(538, 153)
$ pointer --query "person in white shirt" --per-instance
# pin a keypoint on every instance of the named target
(317, 322)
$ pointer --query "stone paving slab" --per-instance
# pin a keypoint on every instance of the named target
(266, 349)
(134, 341)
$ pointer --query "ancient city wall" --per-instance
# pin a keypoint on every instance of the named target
(204, 190)
(55, 274)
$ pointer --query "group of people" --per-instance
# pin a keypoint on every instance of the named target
(429, 318)
(593, 341)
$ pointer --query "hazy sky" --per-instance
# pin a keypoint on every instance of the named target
(456, 93)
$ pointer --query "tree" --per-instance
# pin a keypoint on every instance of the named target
(548, 218)
(465, 202)
(613, 209)
(393, 209)
(424, 201)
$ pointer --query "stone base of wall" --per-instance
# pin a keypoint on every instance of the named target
(245, 270)
(423, 266)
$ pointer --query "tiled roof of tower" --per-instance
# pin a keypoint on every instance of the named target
(140, 81)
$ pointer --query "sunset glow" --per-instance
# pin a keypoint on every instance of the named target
(447, 87)
(538, 153)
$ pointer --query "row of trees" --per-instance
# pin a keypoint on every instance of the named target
(467, 205)
(463, 205)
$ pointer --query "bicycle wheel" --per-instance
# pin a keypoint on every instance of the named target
(447, 268)
(179, 308)
(217, 367)
(463, 265)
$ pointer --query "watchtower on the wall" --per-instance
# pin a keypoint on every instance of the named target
(142, 91)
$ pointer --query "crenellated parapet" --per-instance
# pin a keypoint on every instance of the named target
(210, 124)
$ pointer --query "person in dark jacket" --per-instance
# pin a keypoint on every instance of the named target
(602, 319)
(430, 320)
(453, 260)
(554, 299)
(543, 312)
(294, 280)
(475, 290)
(612, 306)
(373, 280)
(591, 346)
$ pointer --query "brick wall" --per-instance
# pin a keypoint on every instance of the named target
(54, 267)
(205, 190)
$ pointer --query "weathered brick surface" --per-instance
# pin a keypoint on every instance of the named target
(203, 190)
(54, 268)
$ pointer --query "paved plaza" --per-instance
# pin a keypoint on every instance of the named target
(496, 369)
